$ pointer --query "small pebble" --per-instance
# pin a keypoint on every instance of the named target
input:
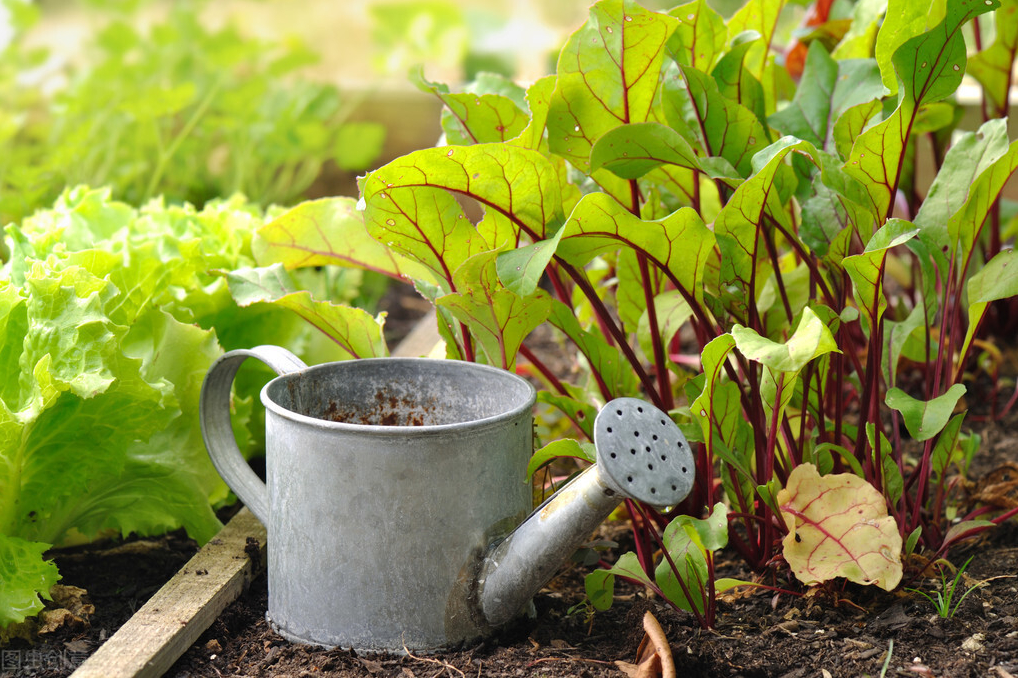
(973, 643)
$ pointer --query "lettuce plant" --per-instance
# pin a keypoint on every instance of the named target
(109, 320)
(751, 252)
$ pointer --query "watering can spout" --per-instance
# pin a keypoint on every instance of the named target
(641, 454)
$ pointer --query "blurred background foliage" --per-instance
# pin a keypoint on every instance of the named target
(192, 100)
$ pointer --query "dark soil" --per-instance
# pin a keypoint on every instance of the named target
(758, 635)
(118, 578)
(844, 632)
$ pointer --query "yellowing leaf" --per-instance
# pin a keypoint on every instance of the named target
(838, 527)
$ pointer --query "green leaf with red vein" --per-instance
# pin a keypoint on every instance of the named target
(851, 124)
(470, 118)
(760, 16)
(903, 19)
(672, 312)
(630, 151)
(325, 232)
(557, 449)
(607, 76)
(680, 243)
(838, 527)
(354, 330)
(992, 66)
(784, 361)
(575, 406)
(738, 227)
(425, 224)
(971, 154)
(966, 529)
(539, 101)
(689, 541)
(867, 269)
(930, 67)
(735, 81)
(725, 127)
(700, 36)
(829, 221)
(499, 319)
(520, 269)
(600, 584)
(522, 184)
(966, 224)
(705, 408)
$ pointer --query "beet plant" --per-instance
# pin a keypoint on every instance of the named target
(743, 244)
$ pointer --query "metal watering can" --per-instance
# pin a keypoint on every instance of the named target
(396, 503)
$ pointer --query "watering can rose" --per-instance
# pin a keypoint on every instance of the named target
(838, 527)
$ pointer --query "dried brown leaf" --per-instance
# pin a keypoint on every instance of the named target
(654, 656)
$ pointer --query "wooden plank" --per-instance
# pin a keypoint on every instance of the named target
(422, 340)
(169, 623)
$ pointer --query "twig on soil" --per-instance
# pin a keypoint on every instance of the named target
(446, 666)
(567, 659)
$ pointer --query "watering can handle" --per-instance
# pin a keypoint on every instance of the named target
(214, 411)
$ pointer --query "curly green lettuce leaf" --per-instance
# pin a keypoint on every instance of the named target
(24, 576)
(109, 320)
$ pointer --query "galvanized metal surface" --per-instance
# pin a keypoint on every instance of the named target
(214, 413)
(642, 453)
(519, 566)
(390, 480)
(375, 532)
